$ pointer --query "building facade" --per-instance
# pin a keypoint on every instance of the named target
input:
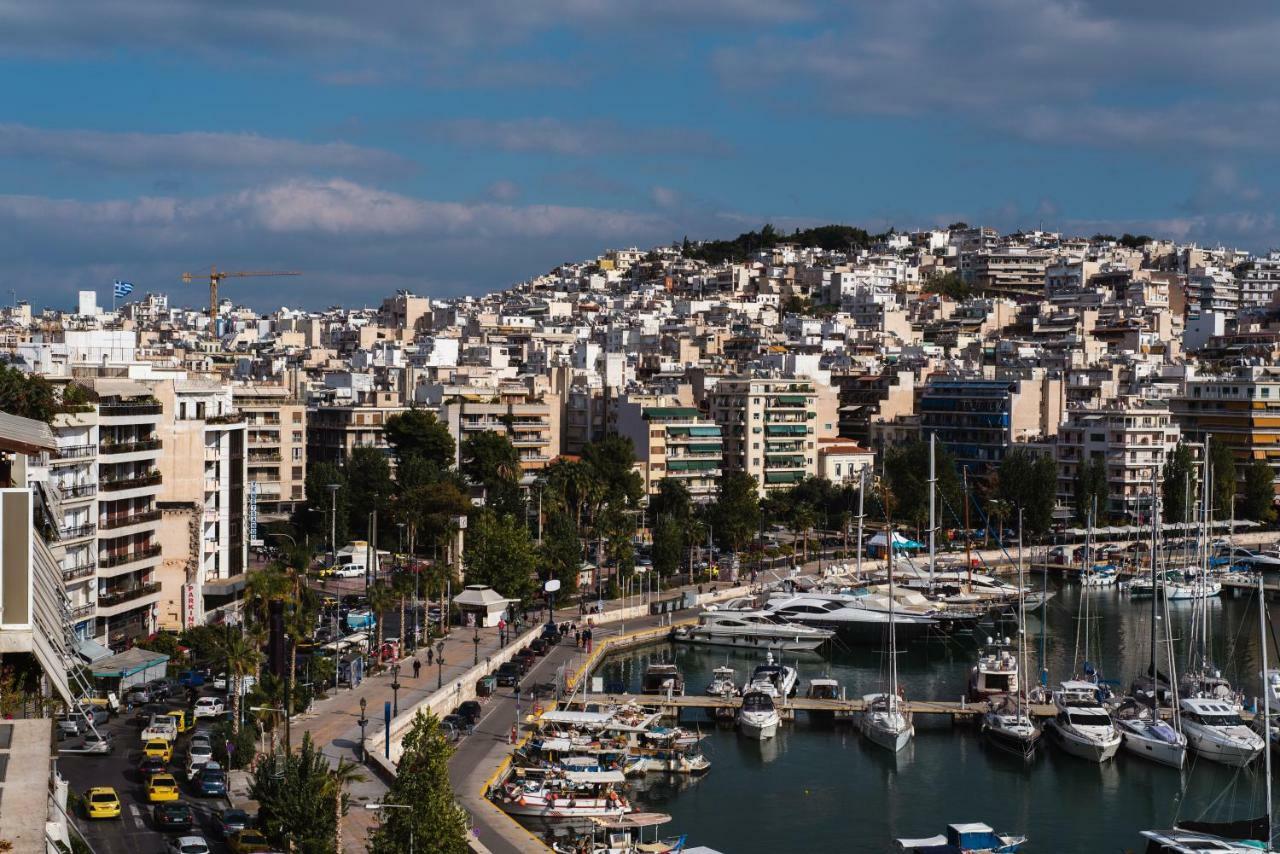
(769, 428)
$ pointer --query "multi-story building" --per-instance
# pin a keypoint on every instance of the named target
(869, 398)
(1015, 269)
(769, 428)
(1240, 408)
(1259, 281)
(531, 422)
(276, 445)
(73, 477)
(977, 418)
(674, 442)
(1133, 437)
(1213, 289)
(334, 430)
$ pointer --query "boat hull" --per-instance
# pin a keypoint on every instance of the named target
(1171, 754)
(1086, 749)
(759, 728)
(776, 644)
(1224, 753)
(1016, 744)
(889, 738)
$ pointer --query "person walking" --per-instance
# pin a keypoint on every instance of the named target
(577, 639)
(431, 654)
(417, 667)
(588, 638)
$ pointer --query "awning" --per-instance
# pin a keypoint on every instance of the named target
(90, 650)
(597, 777)
(577, 718)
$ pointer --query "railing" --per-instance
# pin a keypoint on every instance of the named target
(129, 482)
(109, 561)
(264, 458)
(113, 522)
(109, 599)
(129, 447)
(72, 451)
(232, 418)
(74, 531)
(80, 611)
(82, 571)
(78, 490)
(120, 409)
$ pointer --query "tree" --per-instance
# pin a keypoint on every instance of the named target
(299, 806)
(27, 395)
(489, 459)
(669, 544)
(673, 499)
(560, 555)
(950, 285)
(381, 599)
(418, 433)
(1176, 483)
(500, 554)
(1028, 482)
(242, 658)
(339, 777)
(803, 518)
(1222, 465)
(1259, 492)
(611, 461)
(735, 515)
(323, 502)
(906, 469)
(435, 823)
(369, 488)
(1091, 490)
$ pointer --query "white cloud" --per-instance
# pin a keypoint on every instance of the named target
(574, 139)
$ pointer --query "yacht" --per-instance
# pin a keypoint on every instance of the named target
(850, 616)
(823, 689)
(1182, 587)
(970, 838)
(752, 630)
(757, 716)
(995, 673)
(1099, 576)
(1177, 841)
(1008, 727)
(886, 721)
(1083, 726)
(1216, 732)
(662, 678)
(724, 682)
(1149, 736)
(557, 796)
(776, 680)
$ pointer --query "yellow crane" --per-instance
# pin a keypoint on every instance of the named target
(216, 275)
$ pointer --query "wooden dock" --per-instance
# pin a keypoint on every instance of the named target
(676, 705)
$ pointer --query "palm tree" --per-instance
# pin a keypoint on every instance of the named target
(263, 586)
(242, 658)
(402, 584)
(999, 510)
(340, 776)
(381, 597)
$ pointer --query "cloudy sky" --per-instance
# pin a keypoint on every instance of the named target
(458, 147)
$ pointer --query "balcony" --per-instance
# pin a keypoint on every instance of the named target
(75, 532)
(231, 418)
(83, 571)
(122, 410)
(116, 448)
(113, 522)
(107, 600)
(258, 457)
(78, 490)
(71, 452)
(129, 482)
(212, 455)
(79, 612)
(111, 561)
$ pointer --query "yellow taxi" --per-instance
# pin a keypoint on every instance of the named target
(162, 787)
(179, 719)
(102, 802)
(159, 748)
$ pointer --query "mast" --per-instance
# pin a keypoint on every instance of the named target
(893, 628)
(1155, 526)
(862, 488)
(1022, 624)
(968, 540)
(1266, 697)
(1205, 514)
(933, 485)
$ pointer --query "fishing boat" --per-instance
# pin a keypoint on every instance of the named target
(623, 835)
(758, 716)
(752, 630)
(971, 838)
(1083, 726)
(662, 678)
(996, 672)
(1216, 731)
(558, 796)
(777, 680)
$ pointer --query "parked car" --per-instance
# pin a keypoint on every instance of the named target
(455, 726)
(471, 710)
(208, 707)
(212, 781)
(188, 845)
(221, 683)
(248, 841)
(551, 633)
(172, 816)
(509, 674)
(191, 679)
(538, 646)
(138, 695)
(70, 726)
(231, 821)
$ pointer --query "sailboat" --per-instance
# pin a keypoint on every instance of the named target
(1006, 725)
(1145, 732)
(885, 719)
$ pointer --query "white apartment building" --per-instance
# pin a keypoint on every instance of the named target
(73, 478)
(1259, 281)
(674, 441)
(276, 444)
(769, 428)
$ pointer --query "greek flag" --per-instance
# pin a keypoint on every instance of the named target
(123, 289)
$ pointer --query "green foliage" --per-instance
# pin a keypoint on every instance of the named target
(1259, 492)
(735, 515)
(1028, 482)
(672, 499)
(500, 554)
(202, 641)
(1176, 483)
(418, 433)
(1134, 241)
(242, 742)
(950, 285)
(369, 488)
(1222, 465)
(241, 657)
(1091, 490)
(490, 460)
(560, 555)
(27, 395)
(315, 517)
(611, 463)
(296, 800)
(165, 642)
(669, 544)
(436, 823)
(906, 470)
(746, 245)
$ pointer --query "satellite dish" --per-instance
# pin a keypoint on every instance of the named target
(552, 586)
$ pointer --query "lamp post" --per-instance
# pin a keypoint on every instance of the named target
(364, 722)
(333, 523)
(439, 665)
(476, 640)
(376, 807)
(400, 551)
(395, 689)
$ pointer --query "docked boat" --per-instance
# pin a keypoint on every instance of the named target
(1007, 726)
(1083, 726)
(662, 678)
(1215, 731)
(758, 716)
(1149, 736)
(886, 721)
(1177, 841)
(752, 630)
(777, 680)
(851, 616)
(971, 838)
(1153, 687)
(559, 796)
(623, 835)
(1184, 587)
(995, 673)
(724, 683)
(823, 688)
(1099, 576)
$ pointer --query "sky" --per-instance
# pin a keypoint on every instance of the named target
(458, 148)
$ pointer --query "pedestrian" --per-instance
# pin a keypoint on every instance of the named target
(430, 656)
(417, 666)
(588, 640)
(513, 734)
(577, 639)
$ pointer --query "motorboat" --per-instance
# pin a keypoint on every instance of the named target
(1102, 575)
(886, 721)
(752, 630)
(1256, 561)
(995, 673)
(850, 616)
(776, 680)
(662, 678)
(1149, 736)
(1215, 731)
(970, 838)
(1007, 726)
(623, 835)
(724, 682)
(823, 688)
(1083, 726)
(557, 796)
(757, 716)
(1178, 841)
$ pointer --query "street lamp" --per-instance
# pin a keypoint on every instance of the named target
(439, 665)
(364, 722)
(476, 640)
(333, 523)
(376, 807)
(395, 689)
(400, 552)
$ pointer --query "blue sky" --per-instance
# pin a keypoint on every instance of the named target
(457, 148)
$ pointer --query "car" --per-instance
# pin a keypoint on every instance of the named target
(538, 646)
(162, 787)
(220, 683)
(191, 679)
(174, 815)
(551, 633)
(70, 726)
(248, 841)
(348, 571)
(211, 781)
(199, 751)
(98, 743)
(181, 720)
(97, 714)
(457, 723)
(151, 765)
(188, 845)
(159, 748)
(509, 674)
(102, 802)
(160, 727)
(470, 711)
(231, 821)
(208, 707)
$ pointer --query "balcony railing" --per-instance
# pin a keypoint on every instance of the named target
(113, 522)
(109, 599)
(78, 490)
(74, 531)
(83, 571)
(121, 409)
(231, 418)
(109, 561)
(129, 482)
(79, 612)
(72, 451)
(130, 447)
(264, 458)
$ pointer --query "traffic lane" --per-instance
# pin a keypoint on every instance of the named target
(133, 832)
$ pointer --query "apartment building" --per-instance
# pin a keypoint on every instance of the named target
(530, 421)
(73, 478)
(1011, 269)
(276, 445)
(1240, 408)
(1259, 281)
(335, 430)
(871, 398)
(674, 442)
(1213, 289)
(769, 428)
(1133, 436)
(978, 418)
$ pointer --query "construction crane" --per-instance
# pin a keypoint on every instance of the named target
(216, 275)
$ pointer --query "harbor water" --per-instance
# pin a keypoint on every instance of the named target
(820, 787)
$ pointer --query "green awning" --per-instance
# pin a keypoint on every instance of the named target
(704, 431)
(783, 476)
(678, 431)
(692, 465)
(791, 398)
(670, 412)
(784, 429)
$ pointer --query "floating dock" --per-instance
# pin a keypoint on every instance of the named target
(674, 706)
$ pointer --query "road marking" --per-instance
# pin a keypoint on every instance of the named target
(137, 815)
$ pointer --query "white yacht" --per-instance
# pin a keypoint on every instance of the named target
(1149, 736)
(1177, 841)
(1099, 576)
(886, 721)
(776, 680)
(1008, 727)
(1216, 732)
(757, 716)
(752, 630)
(850, 616)
(995, 673)
(1083, 726)
(724, 682)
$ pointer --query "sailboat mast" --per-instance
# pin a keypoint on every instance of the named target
(1155, 526)
(933, 484)
(862, 489)
(893, 631)
(1022, 624)
(968, 540)
(1206, 514)
(1266, 697)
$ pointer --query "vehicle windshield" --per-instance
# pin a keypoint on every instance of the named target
(102, 798)
(1221, 720)
(1079, 718)
(756, 703)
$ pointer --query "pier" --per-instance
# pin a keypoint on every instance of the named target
(675, 706)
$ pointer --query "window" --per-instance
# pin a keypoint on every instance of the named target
(297, 454)
(297, 473)
(297, 418)
(297, 437)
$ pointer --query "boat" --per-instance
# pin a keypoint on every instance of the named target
(1008, 727)
(777, 680)
(1149, 736)
(724, 682)
(1101, 575)
(851, 616)
(557, 796)
(623, 835)
(996, 672)
(1186, 586)
(1216, 732)
(1083, 726)
(885, 719)
(971, 838)
(662, 678)
(823, 688)
(1177, 841)
(757, 716)
(751, 630)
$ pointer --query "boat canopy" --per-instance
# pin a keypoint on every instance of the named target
(579, 718)
(597, 777)
(930, 842)
(635, 819)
